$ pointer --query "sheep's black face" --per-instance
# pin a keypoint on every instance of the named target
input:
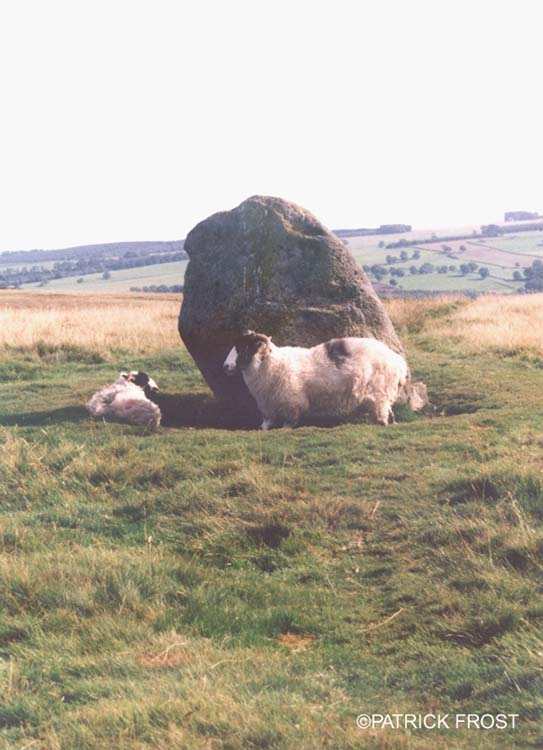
(143, 380)
(245, 349)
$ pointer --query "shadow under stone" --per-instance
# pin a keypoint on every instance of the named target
(203, 411)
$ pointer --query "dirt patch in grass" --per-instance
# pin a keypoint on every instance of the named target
(295, 641)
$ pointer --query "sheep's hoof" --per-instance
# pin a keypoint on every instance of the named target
(266, 424)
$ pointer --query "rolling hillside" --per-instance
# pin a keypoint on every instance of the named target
(422, 261)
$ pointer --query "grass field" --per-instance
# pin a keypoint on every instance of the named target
(501, 255)
(213, 589)
(120, 281)
(525, 242)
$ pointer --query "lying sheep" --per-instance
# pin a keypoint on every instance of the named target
(330, 380)
(128, 399)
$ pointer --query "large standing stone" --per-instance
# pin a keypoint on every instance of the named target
(271, 266)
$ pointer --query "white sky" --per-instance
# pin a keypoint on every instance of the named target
(132, 119)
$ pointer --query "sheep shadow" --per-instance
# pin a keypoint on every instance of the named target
(179, 410)
(203, 411)
(52, 416)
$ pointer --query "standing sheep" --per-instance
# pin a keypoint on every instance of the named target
(330, 380)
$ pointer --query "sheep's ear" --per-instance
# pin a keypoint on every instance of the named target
(124, 375)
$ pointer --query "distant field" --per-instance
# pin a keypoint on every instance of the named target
(484, 253)
(501, 255)
(121, 281)
(44, 264)
(525, 242)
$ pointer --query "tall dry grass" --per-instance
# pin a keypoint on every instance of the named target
(508, 324)
(411, 313)
(87, 323)
(139, 324)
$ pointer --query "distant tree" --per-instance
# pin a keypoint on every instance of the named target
(404, 255)
(491, 230)
(534, 277)
(382, 244)
(517, 276)
(464, 269)
(80, 280)
(427, 268)
(378, 271)
(462, 248)
(416, 255)
(393, 282)
(413, 270)
(484, 272)
(452, 268)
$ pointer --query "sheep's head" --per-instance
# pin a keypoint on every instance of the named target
(248, 348)
(146, 383)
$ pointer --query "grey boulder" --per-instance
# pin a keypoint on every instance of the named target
(271, 266)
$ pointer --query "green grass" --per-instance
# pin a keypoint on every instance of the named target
(523, 242)
(209, 588)
(120, 281)
(499, 280)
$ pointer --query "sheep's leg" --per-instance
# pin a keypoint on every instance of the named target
(391, 419)
(267, 424)
(292, 420)
(382, 412)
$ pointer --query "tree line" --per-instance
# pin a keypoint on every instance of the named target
(14, 277)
